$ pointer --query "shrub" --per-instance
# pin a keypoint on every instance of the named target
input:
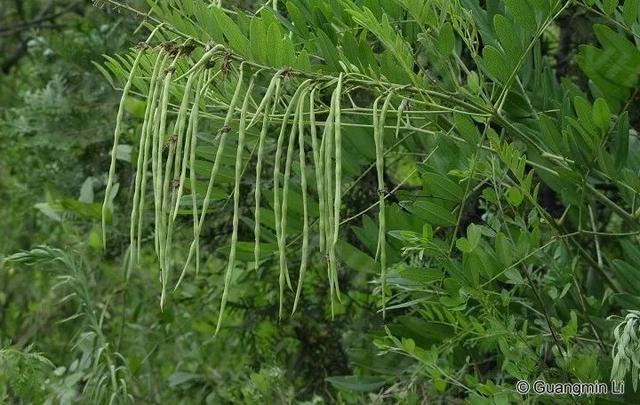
(479, 156)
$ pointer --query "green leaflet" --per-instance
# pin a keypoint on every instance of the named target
(446, 42)
(609, 6)
(383, 30)
(613, 67)
(630, 11)
(601, 114)
(357, 383)
(523, 12)
(621, 141)
(433, 213)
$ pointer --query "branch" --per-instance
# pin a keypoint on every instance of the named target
(41, 17)
(15, 57)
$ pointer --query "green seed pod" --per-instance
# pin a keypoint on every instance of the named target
(117, 130)
(327, 146)
(305, 210)
(276, 193)
(150, 134)
(379, 123)
(338, 184)
(216, 164)
(401, 109)
(178, 161)
(160, 182)
(236, 203)
(190, 154)
(156, 157)
(116, 141)
(263, 134)
(286, 181)
(141, 165)
(192, 179)
(318, 166)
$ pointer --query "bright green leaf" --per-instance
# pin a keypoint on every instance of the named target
(609, 6)
(514, 196)
(601, 114)
(446, 41)
(356, 383)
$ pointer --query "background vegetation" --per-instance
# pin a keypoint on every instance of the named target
(485, 159)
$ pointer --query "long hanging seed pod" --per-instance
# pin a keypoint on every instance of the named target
(163, 182)
(192, 171)
(197, 71)
(318, 165)
(156, 153)
(285, 193)
(188, 144)
(160, 183)
(236, 203)
(216, 164)
(338, 184)
(116, 139)
(276, 193)
(263, 135)
(180, 162)
(160, 144)
(192, 177)
(287, 177)
(152, 124)
(305, 211)
(327, 148)
(175, 142)
(171, 169)
(189, 155)
(379, 165)
(378, 135)
(142, 161)
(179, 158)
(283, 210)
(119, 117)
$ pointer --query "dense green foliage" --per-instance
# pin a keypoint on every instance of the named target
(400, 201)
(55, 109)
